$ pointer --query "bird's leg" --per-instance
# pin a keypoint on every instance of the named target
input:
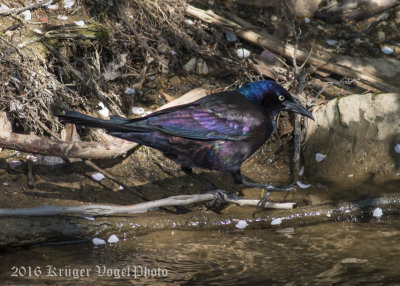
(240, 179)
(188, 171)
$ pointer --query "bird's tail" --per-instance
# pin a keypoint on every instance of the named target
(114, 124)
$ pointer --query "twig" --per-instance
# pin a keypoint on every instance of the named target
(248, 32)
(106, 210)
(23, 9)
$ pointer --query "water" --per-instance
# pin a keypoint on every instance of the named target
(339, 253)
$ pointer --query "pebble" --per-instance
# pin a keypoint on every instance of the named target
(190, 65)
(242, 224)
(231, 37)
(104, 110)
(113, 239)
(68, 3)
(381, 36)
(98, 241)
(377, 213)
(331, 42)
(79, 23)
(27, 15)
(175, 81)
(137, 110)
(242, 53)
(130, 91)
(307, 20)
(98, 176)
(397, 148)
(276, 221)
(62, 18)
(201, 67)
(319, 157)
(274, 18)
(386, 50)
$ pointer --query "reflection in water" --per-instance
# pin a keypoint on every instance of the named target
(318, 255)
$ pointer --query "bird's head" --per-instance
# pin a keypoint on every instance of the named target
(272, 97)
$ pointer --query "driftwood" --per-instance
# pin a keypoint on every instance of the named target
(20, 231)
(353, 10)
(106, 210)
(253, 34)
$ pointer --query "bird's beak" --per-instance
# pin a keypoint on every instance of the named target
(296, 107)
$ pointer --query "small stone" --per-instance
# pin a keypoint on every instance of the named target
(242, 224)
(98, 241)
(231, 37)
(79, 23)
(190, 66)
(242, 53)
(307, 20)
(381, 36)
(276, 221)
(137, 110)
(397, 148)
(331, 42)
(68, 3)
(377, 213)
(201, 67)
(14, 163)
(274, 18)
(98, 176)
(104, 110)
(319, 157)
(386, 50)
(175, 80)
(27, 15)
(113, 239)
(130, 91)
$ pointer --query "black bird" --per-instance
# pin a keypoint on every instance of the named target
(217, 132)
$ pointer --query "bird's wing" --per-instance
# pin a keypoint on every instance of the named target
(214, 118)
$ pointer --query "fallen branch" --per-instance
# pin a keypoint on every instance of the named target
(247, 31)
(23, 9)
(24, 231)
(107, 210)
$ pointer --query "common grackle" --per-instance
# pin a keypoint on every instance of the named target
(217, 132)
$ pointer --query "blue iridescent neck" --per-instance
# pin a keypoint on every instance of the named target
(254, 91)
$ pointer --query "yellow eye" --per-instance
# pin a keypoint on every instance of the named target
(281, 97)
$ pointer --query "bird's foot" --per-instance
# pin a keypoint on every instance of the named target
(263, 201)
(219, 202)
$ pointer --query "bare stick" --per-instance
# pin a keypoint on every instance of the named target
(254, 35)
(106, 210)
(20, 10)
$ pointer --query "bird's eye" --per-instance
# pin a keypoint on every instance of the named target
(281, 97)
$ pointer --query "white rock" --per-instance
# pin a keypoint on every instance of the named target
(231, 37)
(377, 213)
(62, 17)
(98, 176)
(303, 186)
(27, 15)
(189, 21)
(201, 67)
(52, 6)
(242, 53)
(4, 7)
(104, 110)
(397, 148)
(242, 224)
(14, 163)
(32, 158)
(5, 184)
(52, 160)
(121, 188)
(319, 157)
(307, 20)
(130, 91)
(68, 4)
(386, 50)
(79, 23)
(113, 239)
(358, 40)
(276, 221)
(98, 241)
(331, 42)
(137, 110)
(37, 31)
(190, 65)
